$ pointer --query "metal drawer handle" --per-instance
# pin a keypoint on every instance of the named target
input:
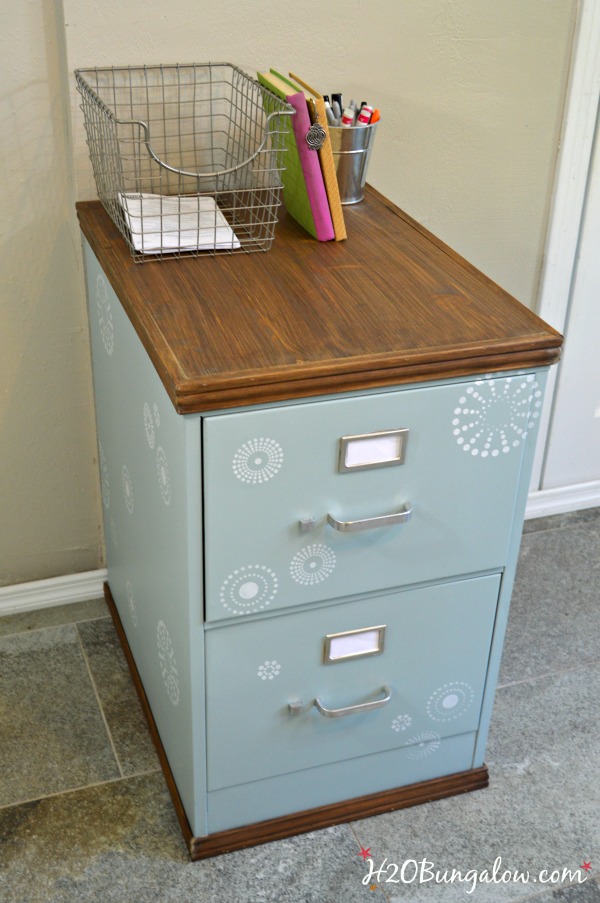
(296, 708)
(368, 523)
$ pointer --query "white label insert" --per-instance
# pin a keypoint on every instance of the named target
(354, 644)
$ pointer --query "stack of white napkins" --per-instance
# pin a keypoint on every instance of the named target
(176, 223)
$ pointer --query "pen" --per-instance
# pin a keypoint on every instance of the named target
(331, 120)
(336, 111)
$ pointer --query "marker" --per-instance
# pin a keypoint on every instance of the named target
(348, 117)
(331, 120)
(336, 111)
(364, 117)
(375, 117)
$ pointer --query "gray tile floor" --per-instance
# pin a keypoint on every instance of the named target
(85, 815)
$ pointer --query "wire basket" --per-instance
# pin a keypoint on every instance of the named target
(187, 158)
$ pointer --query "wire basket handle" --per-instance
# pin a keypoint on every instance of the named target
(199, 175)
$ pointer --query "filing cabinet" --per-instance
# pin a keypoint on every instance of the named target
(313, 479)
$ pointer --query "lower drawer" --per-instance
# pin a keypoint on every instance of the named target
(245, 804)
(264, 676)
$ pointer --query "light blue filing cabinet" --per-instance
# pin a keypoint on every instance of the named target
(313, 486)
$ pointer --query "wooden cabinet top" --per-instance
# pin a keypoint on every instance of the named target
(391, 304)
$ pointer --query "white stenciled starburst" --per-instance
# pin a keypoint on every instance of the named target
(494, 416)
(401, 723)
(104, 312)
(450, 701)
(423, 745)
(164, 481)
(313, 564)
(132, 603)
(268, 670)
(168, 663)
(104, 481)
(248, 589)
(149, 425)
(257, 460)
(127, 488)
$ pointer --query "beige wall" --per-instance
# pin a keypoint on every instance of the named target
(49, 512)
(471, 94)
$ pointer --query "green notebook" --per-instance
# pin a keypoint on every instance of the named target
(295, 195)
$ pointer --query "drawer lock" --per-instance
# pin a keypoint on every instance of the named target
(297, 708)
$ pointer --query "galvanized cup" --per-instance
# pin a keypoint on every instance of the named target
(351, 152)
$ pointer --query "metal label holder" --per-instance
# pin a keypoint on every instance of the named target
(380, 456)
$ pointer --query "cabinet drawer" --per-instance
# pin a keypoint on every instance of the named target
(267, 471)
(433, 666)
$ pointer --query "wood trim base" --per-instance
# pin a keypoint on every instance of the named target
(338, 813)
(137, 682)
(298, 822)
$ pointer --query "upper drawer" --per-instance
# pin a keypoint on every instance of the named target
(268, 470)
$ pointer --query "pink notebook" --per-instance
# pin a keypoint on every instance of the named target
(309, 158)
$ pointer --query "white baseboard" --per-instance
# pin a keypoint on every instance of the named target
(22, 597)
(544, 502)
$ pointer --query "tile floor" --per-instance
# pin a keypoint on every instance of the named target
(84, 813)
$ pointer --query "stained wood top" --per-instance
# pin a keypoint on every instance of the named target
(391, 304)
